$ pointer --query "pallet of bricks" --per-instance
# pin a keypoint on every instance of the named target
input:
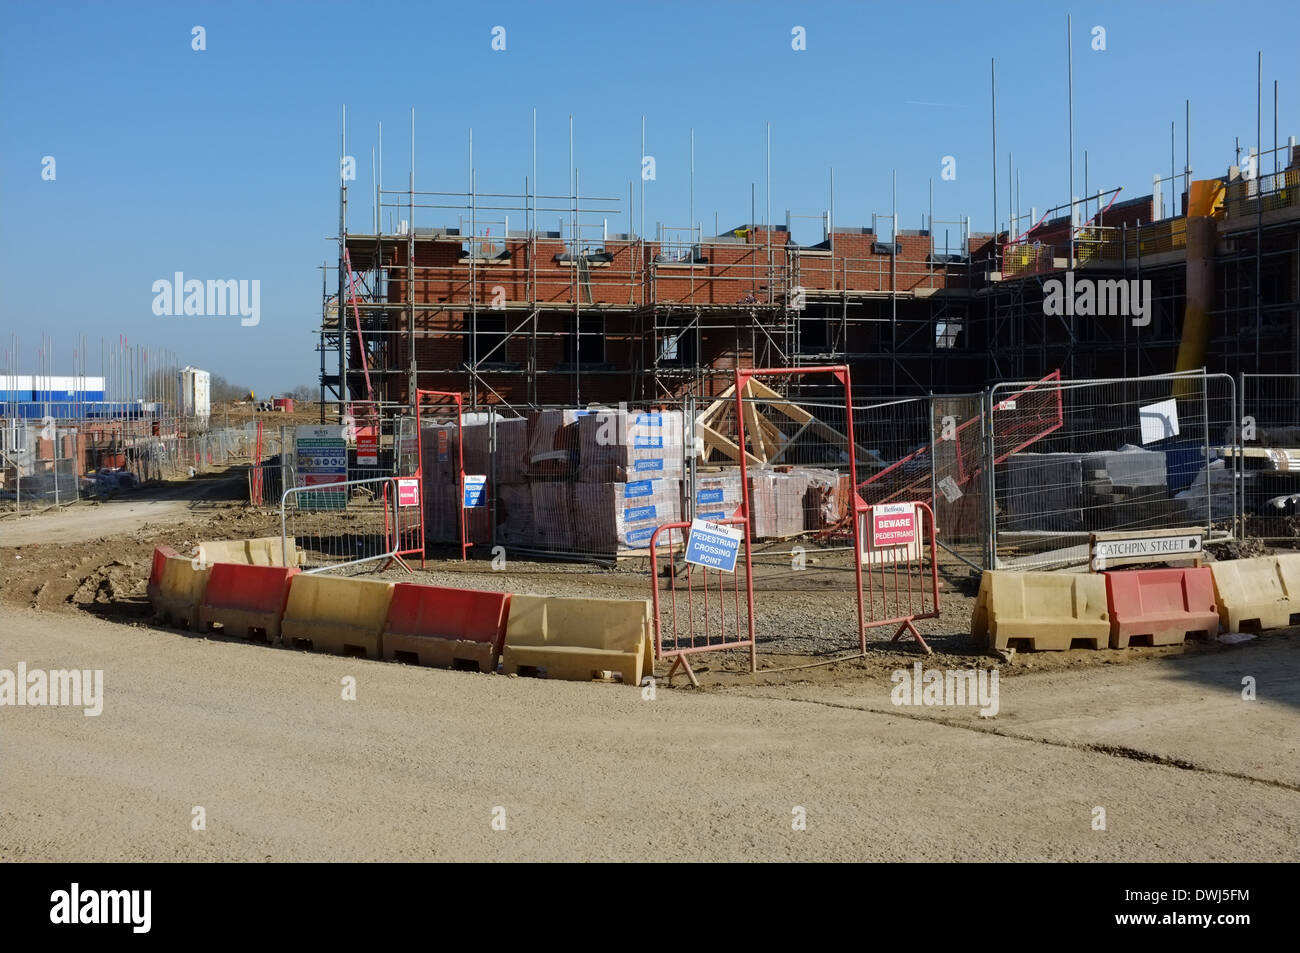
(599, 481)
(582, 482)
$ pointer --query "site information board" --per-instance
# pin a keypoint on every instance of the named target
(713, 545)
(322, 454)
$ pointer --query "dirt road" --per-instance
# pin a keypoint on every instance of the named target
(420, 764)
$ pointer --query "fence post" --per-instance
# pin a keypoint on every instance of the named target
(688, 447)
(990, 488)
(1209, 495)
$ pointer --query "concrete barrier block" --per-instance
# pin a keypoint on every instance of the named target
(1257, 594)
(259, 551)
(181, 588)
(579, 639)
(445, 627)
(1041, 610)
(1163, 606)
(246, 600)
(154, 587)
(337, 614)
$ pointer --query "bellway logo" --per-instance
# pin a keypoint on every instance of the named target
(1087, 297)
(78, 906)
(76, 688)
(209, 299)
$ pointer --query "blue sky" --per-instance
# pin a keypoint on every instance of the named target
(224, 163)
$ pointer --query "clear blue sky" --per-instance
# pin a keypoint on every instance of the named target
(224, 163)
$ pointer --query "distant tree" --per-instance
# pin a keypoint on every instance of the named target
(304, 393)
(221, 389)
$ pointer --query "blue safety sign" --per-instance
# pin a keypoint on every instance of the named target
(713, 545)
(475, 491)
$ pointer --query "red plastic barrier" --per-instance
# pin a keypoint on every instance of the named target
(1165, 604)
(445, 627)
(160, 554)
(246, 599)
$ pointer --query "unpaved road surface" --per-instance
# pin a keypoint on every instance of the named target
(420, 764)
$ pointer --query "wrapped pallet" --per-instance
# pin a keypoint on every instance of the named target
(617, 445)
(515, 515)
(553, 518)
(511, 463)
(717, 495)
(553, 442)
(825, 499)
(440, 453)
(777, 504)
(616, 518)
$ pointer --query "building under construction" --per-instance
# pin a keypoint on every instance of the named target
(523, 318)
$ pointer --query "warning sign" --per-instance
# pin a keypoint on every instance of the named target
(408, 492)
(367, 448)
(893, 524)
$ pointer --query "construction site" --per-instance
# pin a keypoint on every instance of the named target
(1021, 496)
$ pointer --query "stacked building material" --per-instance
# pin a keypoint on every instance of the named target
(618, 445)
(553, 442)
(515, 521)
(717, 495)
(1043, 492)
(1126, 488)
(554, 528)
(825, 499)
(622, 517)
(511, 463)
(777, 503)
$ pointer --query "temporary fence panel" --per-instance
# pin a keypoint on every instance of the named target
(342, 524)
(1127, 454)
(1270, 457)
(698, 608)
(41, 464)
(408, 525)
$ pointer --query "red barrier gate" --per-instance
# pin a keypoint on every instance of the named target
(897, 588)
(703, 616)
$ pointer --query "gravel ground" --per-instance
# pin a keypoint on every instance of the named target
(422, 762)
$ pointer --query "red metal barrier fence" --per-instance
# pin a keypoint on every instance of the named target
(707, 610)
(901, 579)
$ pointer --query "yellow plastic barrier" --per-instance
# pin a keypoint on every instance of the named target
(579, 639)
(343, 616)
(1260, 593)
(180, 591)
(261, 551)
(1047, 610)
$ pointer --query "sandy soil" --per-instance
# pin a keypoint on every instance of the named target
(415, 767)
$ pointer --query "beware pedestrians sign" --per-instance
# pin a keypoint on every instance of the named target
(713, 545)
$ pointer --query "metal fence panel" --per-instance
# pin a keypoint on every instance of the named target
(1128, 454)
(1270, 457)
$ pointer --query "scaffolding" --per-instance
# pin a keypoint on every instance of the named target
(577, 314)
